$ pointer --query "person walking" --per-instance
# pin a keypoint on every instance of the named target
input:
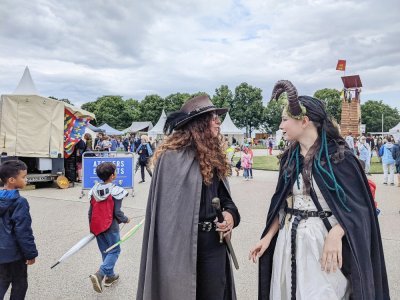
(388, 162)
(270, 145)
(365, 154)
(350, 142)
(145, 152)
(182, 256)
(322, 238)
(396, 157)
(246, 163)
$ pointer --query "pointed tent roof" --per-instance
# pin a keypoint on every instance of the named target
(395, 128)
(159, 127)
(109, 130)
(26, 85)
(139, 126)
(227, 127)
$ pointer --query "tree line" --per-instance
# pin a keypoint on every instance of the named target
(247, 107)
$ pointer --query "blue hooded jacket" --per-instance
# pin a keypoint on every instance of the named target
(16, 236)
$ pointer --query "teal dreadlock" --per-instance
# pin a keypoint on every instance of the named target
(341, 195)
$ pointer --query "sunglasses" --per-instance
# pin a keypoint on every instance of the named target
(214, 117)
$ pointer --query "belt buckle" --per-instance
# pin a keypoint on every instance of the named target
(207, 226)
(304, 214)
(322, 215)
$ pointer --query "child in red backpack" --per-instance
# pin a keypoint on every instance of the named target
(105, 215)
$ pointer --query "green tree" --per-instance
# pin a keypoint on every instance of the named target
(247, 107)
(113, 111)
(133, 106)
(332, 101)
(199, 94)
(371, 115)
(223, 97)
(151, 107)
(63, 100)
(273, 113)
(174, 102)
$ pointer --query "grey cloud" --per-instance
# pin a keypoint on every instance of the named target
(84, 49)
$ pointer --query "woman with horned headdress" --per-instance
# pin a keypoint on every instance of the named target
(182, 254)
(322, 237)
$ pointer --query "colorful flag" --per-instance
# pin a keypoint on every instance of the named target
(74, 129)
(341, 65)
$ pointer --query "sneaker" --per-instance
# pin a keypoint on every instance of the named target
(97, 281)
(141, 181)
(251, 177)
(385, 183)
(111, 280)
(392, 183)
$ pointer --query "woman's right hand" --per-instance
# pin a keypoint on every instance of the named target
(258, 250)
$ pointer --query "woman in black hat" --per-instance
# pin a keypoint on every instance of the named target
(322, 237)
(182, 256)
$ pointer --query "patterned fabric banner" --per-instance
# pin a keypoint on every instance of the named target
(341, 65)
(74, 129)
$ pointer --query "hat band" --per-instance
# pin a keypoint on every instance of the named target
(193, 112)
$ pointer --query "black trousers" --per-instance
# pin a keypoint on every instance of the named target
(15, 274)
(212, 268)
(142, 167)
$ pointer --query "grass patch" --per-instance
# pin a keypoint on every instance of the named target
(270, 163)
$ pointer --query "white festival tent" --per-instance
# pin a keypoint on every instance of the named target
(229, 129)
(158, 129)
(139, 127)
(395, 131)
(109, 130)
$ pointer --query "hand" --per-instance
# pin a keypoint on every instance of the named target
(332, 253)
(258, 250)
(227, 225)
(30, 261)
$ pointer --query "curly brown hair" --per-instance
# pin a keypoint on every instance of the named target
(210, 150)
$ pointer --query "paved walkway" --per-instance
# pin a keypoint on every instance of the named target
(60, 220)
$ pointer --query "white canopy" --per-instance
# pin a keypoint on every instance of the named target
(227, 127)
(139, 126)
(158, 129)
(395, 131)
(26, 85)
(109, 130)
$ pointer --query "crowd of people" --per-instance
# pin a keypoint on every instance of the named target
(321, 239)
(385, 148)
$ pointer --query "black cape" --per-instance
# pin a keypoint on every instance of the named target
(363, 259)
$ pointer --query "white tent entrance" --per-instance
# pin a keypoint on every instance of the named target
(230, 130)
(158, 130)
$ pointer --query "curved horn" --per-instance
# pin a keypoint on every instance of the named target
(286, 86)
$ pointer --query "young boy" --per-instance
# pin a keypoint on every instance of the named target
(17, 244)
(104, 217)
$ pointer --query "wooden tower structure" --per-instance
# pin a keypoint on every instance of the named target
(351, 107)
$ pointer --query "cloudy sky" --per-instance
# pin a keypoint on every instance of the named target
(85, 49)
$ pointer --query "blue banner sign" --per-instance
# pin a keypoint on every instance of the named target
(124, 171)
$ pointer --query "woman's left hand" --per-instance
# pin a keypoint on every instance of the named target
(332, 252)
(227, 225)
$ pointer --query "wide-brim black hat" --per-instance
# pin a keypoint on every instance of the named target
(190, 110)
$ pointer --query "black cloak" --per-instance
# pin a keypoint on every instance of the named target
(363, 259)
(169, 249)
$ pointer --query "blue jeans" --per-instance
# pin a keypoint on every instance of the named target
(104, 241)
(246, 173)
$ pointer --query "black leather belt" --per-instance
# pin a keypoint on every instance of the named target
(299, 215)
(305, 214)
(206, 226)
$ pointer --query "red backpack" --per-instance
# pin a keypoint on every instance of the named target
(102, 215)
